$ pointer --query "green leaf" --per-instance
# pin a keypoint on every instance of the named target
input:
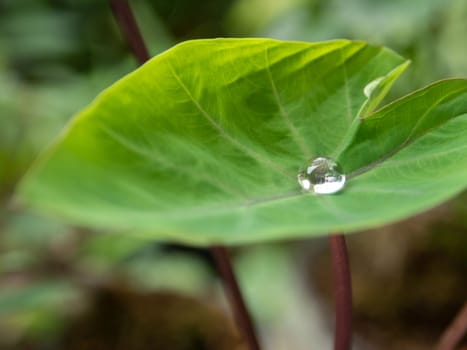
(204, 142)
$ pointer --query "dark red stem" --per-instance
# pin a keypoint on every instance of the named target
(455, 331)
(342, 292)
(240, 310)
(127, 23)
(129, 27)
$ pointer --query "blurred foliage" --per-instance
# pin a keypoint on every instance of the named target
(36, 309)
(56, 55)
(120, 319)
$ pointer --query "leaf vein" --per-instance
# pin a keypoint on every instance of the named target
(260, 159)
(299, 140)
(163, 161)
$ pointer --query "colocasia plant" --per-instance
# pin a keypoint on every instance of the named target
(233, 141)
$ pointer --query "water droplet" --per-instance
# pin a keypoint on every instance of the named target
(371, 86)
(322, 176)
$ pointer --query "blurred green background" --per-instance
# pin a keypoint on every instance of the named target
(64, 287)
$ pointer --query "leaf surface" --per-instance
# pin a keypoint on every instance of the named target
(203, 144)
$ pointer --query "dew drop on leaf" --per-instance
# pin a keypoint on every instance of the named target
(322, 176)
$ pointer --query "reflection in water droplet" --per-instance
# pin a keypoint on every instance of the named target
(370, 87)
(322, 176)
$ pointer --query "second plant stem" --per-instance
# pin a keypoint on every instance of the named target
(342, 292)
